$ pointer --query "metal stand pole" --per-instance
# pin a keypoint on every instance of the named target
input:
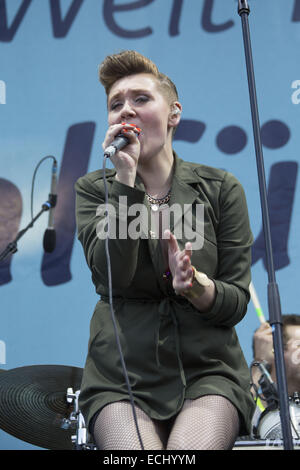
(273, 293)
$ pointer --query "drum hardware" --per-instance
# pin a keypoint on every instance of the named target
(295, 414)
(268, 386)
(269, 423)
(296, 398)
(76, 421)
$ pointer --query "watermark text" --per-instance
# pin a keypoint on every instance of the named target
(135, 221)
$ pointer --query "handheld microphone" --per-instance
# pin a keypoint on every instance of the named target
(49, 240)
(117, 144)
(120, 142)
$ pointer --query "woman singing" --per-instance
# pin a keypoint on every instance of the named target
(176, 300)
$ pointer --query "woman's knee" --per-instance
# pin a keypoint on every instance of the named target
(209, 422)
(115, 429)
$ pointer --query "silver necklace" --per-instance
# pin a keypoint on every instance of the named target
(155, 203)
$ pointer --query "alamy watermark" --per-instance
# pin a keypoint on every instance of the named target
(134, 221)
(296, 94)
(2, 92)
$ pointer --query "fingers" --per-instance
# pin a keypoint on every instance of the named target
(130, 130)
(188, 249)
(183, 258)
(179, 262)
(172, 242)
(185, 263)
(185, 273)
(264, 329)
(183, 279)
(185, 276)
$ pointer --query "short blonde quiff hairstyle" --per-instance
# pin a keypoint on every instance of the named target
(120, 65)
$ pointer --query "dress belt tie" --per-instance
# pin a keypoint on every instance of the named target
(165, 313)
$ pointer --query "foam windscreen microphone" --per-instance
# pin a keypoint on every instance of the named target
(49, 241)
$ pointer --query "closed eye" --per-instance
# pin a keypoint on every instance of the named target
(142, 99)
(115, 105)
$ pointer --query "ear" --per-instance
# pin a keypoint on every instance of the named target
(175, 114)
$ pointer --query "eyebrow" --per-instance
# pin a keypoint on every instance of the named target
(135, 91)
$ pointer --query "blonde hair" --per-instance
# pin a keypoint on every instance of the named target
(126, 63)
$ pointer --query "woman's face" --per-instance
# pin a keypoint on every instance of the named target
(136, 99)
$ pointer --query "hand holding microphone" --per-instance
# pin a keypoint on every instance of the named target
(119, 137)
(121, 140)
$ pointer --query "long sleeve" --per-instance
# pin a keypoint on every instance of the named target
(234, 240)
(91, 217)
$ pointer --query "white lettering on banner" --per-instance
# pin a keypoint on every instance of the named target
(2, 352)
(296, 95)
(2, 92)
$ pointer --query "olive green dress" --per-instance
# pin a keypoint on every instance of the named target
(172, 351)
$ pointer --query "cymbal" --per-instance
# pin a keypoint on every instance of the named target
(33, 404)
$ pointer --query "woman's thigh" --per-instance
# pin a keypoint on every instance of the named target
(115, 429)
(208, 422)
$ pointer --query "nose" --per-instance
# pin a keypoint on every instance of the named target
(127, 110)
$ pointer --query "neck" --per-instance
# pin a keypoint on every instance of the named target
(157, 173)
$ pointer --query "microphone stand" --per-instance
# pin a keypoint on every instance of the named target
(12, 246)
(273, 292)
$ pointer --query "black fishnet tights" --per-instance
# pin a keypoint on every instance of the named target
(210, 422)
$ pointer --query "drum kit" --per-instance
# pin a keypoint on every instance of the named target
(39, 405)
(267, 431)
(269, 424)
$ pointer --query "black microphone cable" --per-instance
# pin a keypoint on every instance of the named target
(112, 308)
(12, 246)
(33, 179)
